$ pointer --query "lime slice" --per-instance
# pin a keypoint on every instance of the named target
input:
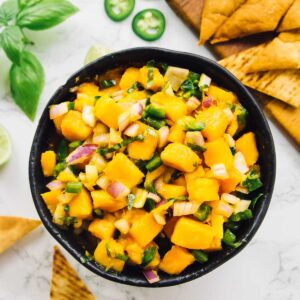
(95, 52)
(5, 146)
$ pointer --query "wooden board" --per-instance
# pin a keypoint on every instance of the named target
(190, 12)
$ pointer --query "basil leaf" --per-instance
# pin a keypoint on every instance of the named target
(26, 83)
(45, 14)
(27, 3)
(8, 11)
(12, 43)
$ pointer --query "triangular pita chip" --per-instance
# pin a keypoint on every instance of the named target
(292, 18)
(215, 13)
(283, 85)
(13, 229)
(254, 16)
(65, 283)
(281, 53)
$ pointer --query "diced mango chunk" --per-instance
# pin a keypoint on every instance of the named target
(247, 145)
(228, 185)
(122, 169)
(108, 111)
(48, 162)
(176, 134)
(192, 234)
(180, 157)
(168, 191)
(102, 228)
(203, 189)
(218, 152)
(74, 128)
(89, 88)
(155, 83)
(221, 95)
(145, 229)
(106, 254)
(81, 205)
(176, 260)
(129, 77)
(198, 173)
(103, 200)
(135, 252)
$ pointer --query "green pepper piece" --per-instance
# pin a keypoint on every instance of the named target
(252, 182)
(155, 112)
(107, 83)
(149, 24)
(119, 10)
(75, 144)
(149, 204)
(203, 212)
(73, 187)
(149, 255)
(229, 239)
(241, 216)
(157, 124)
(200, 256)
(62, 150)
(154, 163)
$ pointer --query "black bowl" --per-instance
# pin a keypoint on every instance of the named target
(45, 135)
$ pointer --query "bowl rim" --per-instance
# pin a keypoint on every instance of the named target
(175, 280)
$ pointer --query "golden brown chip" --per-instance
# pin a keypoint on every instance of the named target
(215, 13)
(292, 18)
(13, 229)
(287, 116)
(65, 283)
(254, 16)
(281, 53)
(283, 85)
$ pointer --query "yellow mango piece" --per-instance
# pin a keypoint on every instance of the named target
(168, 191)
(215, 121)
(155, 84)
(176, 134)
(175, 107)
(228, 185)
(102, 228)
(81, 205)
(89, 89)
(192, 234)
(103, 200)
(108, 112)
(169, 227)
(74, 128)
(135, 252)
(122, 169)
(233, 126)
(176, 260)
(247, 145)
(50, 198)
(221, 95)
(48, 162)
(106, 253)
(217, 222)
(179, 181)
(66, 176)
(82, 100)
(145, 149)
(218, 152)
(198, 173)
(129, 77)
(57, 123)
(203, 189)
(151, 176)
(145, 229)
(180, 157)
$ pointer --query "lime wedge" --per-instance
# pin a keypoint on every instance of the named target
(96, 52)
(5, 146)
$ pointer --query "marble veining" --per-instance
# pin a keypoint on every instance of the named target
(269, 267)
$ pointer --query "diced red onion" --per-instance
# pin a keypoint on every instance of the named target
(184, 208)
(230, 140)
(81, 153)
(118, 190)
(91, 173)
(208, 102)
(228, 114)
(163, 134)
(151, 276)
(219, 171)
(136, 110)
(123, 120)
(154, 197)
(159, 183)
(231, 199)
(240, 163)
(117, 95)
(195, 137)
(143, 102)
(224, 209)
(241, 206)
(101, 140)
(58, 110)
(122, 225)
(88, 115)
(159, 218)
(132, 130)
(103, 182)
(192, 104)
(55, 185)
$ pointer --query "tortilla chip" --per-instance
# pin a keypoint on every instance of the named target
(292, 18)
(287, 116)
(65, 283)
(254, 16)
(13, 229)
(215, 13)
(282, 85)
(281, 53)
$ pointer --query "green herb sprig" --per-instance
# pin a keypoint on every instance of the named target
(26, 74)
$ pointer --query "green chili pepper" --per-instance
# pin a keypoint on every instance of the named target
(71, 106)
(254, 201)
(200, 256)
(149, 255)
(107, 83)
(59, 167)
(241, 216)
(119, 10)
(196, 148)
(149, 24)
(252, 182)
(229, 239)
(155, 112)
(149, 204)
(203, 212)
(62, 150)
(122, 257)
(73, 187)
(75, 144)
(154, 163)
(157, 124)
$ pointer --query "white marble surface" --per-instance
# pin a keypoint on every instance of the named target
(269, 268)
